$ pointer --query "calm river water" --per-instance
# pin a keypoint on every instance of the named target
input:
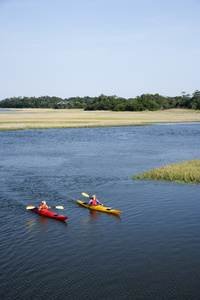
(150, 252)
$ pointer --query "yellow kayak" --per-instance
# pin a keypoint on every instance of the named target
(100, 208)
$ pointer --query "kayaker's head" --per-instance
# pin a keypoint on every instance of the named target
(44, 202)
(94, 196)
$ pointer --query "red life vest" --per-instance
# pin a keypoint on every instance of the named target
(94, 202)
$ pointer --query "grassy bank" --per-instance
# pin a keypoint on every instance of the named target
(188, 171)
(18, 119)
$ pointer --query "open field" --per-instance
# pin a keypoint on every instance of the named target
(16, 119)
(188, 171)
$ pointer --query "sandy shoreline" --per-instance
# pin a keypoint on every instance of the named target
(18, 119)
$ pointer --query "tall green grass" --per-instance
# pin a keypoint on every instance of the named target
(187, 171)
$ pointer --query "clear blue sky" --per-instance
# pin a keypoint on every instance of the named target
(126, 48)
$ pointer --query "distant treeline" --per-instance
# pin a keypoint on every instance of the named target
(140, 103)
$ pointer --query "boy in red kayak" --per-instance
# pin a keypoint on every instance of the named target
(43, 206)
(94, 201)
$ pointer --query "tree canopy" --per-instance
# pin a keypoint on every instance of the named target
(148, 102)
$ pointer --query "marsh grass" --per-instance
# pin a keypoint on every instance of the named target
(184, 172)
(18, 119)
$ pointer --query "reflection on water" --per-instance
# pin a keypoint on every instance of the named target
(30, 223)
(93, 214)
(86, 221)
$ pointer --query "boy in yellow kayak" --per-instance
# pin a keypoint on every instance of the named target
(94, 201)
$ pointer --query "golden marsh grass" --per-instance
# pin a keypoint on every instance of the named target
(188, 171)
(18, 119)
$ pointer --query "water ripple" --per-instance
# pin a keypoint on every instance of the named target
(151, 251)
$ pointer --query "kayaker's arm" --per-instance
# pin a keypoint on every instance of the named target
(99, 202)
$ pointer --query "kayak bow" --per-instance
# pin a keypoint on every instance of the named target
(100, 208)
(50, 214)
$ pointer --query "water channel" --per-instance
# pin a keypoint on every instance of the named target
(151, 251)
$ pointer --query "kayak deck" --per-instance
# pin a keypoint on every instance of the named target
(100, 208)
(50, 214)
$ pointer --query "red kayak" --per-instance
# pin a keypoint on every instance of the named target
(50, 214)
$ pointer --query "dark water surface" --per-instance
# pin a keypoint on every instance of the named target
(150, 252)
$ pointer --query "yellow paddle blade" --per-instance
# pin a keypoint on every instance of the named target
(59, 207)
(30, 207)
(86, 195)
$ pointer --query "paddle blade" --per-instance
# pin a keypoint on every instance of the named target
(30, 207)
(86, 195)
(59, 207)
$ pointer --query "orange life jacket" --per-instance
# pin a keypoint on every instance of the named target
(43, 207)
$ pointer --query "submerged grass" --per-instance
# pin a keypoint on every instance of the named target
(188, 172)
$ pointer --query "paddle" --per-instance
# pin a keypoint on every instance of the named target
(86, 195)
(31, 207)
